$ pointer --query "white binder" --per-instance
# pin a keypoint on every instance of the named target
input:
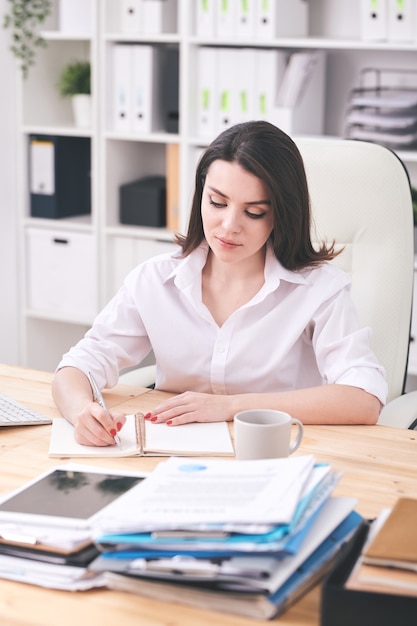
(130, 17)
(269, 73)
(300, 100)
(281, 18)
(159, 16)
(146, 89)
(402, 22)
(205, 18)
(122, 87)
(374, 20)
(245, 19)
(245, 80)
(227, 105)
(225, 18)
(206, 92)
(298, 73)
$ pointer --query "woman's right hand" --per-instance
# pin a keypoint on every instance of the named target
(95, 426)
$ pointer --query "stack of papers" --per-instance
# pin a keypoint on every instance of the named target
(46, 536)
(247, 537)
(385, 116)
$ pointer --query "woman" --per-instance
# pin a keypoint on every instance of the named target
(247, 315)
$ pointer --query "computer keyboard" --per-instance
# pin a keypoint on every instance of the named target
(14, 414)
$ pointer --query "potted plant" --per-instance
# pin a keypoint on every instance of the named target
(75, 83)
(24, 19)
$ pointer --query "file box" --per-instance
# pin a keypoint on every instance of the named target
(143, 202)
(62, 274)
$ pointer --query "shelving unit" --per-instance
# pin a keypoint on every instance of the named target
(118, 158)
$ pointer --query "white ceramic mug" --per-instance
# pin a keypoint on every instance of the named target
(265, 434)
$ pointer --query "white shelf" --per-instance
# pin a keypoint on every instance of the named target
(56, 35)
(408, 156)
(163, 38)
(140, 232)
(77, 223)
(154, 137)
(321, 43)
(62, 319)
(65, 131)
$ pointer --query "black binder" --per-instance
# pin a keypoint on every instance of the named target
(60, 173)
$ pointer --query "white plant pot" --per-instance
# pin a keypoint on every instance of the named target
(81, 106)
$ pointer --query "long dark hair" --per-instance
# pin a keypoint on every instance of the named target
(270, 154)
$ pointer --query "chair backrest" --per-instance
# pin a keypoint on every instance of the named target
(361, 198)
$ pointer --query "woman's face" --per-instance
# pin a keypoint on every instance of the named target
(236, 212)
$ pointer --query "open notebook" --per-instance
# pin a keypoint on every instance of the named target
(139, 437)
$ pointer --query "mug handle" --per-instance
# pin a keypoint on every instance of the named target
(300, 432)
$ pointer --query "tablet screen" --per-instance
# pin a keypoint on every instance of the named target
(70, 494)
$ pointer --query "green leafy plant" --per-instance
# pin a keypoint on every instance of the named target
(24, 19)
(75, 78)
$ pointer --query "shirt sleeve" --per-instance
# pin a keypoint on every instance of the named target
(116, 340)
(342, 347)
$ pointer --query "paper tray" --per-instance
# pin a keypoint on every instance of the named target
(344, 607)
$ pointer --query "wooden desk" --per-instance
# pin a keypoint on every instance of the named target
(378, 464)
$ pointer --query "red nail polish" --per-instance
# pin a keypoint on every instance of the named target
(113, 432)
(169, 422)
(153, 419)
(119, 426)
(147, 416)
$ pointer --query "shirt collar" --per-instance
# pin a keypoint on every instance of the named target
(185, 272)
(275, 272)
(189, 267)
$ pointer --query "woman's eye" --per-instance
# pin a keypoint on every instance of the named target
(218, 205)
(255, 216)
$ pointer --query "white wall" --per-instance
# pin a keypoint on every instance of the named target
(9, 348)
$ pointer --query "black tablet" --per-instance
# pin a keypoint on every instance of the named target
(65, 496)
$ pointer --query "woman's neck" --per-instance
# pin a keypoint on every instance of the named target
(227, 286)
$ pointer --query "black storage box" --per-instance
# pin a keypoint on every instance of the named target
(60, 176)
(143, 202)
(347, 607)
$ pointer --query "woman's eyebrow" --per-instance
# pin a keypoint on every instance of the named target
(220, 193)
(252, 202)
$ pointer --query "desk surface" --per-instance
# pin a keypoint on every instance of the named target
(378, 465)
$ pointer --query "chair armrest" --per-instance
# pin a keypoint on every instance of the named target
(400, 412)
(139, 377)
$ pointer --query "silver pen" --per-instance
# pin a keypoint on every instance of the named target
(98, 396)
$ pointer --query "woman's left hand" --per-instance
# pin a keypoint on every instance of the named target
(192, 407)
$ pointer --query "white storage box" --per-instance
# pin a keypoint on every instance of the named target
(62, 275)
(76, 17)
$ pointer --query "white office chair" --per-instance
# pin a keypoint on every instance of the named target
(139, 377)
(361, 198)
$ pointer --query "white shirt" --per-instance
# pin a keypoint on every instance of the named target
(299, 330)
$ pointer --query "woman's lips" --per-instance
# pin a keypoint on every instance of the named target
(226, 243)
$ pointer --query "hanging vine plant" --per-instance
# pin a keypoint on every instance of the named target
(24, 19)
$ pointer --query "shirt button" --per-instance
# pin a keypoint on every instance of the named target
(220, 349)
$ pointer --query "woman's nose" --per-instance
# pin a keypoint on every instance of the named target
(232, 221)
